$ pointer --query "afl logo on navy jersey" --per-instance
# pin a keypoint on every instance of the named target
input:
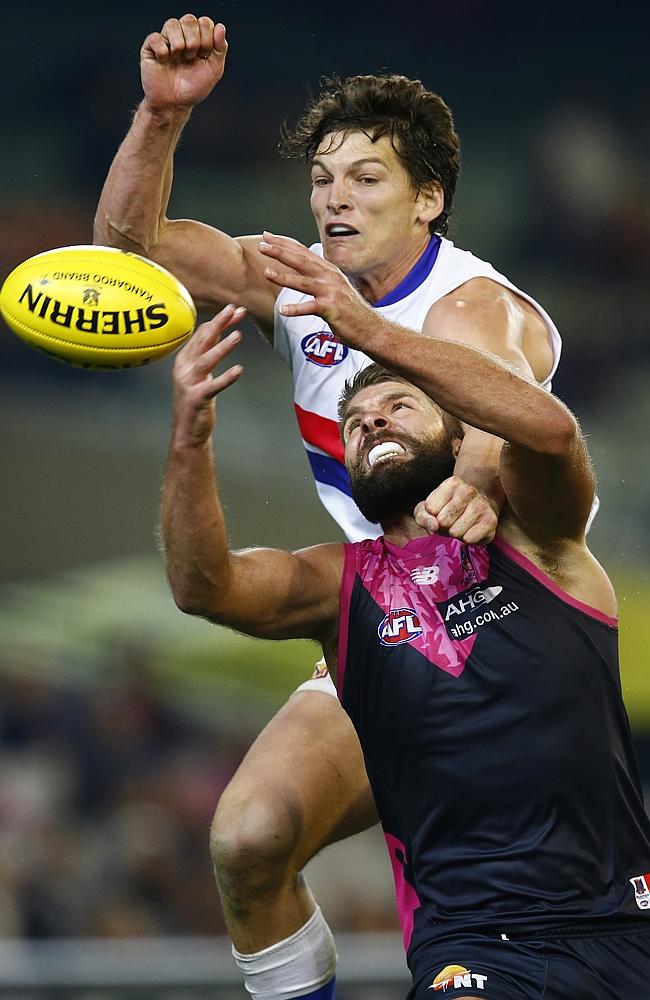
(402, 625)
(323, 349)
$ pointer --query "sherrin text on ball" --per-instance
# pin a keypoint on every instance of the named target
(97, 307)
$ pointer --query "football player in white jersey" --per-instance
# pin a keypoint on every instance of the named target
(384, 157)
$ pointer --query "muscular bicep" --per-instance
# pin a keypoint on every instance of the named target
(486, 315)
(216, 268)
(273, 594)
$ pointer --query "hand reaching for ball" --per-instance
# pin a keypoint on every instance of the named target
(182, 63)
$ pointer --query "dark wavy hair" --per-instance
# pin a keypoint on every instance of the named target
(418, 122)
(375, 374)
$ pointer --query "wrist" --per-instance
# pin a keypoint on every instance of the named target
(192, 444)
(357, 328)
(163, 116)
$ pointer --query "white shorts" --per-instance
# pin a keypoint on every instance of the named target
(320, 680)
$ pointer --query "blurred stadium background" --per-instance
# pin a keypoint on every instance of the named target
(120, 721)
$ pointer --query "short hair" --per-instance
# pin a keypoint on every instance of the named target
(375, 374)
(417, 121)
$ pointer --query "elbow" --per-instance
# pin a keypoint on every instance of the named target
(561, 436)
(186, 602)
(107, 234)
(194, 604)
(198, 601)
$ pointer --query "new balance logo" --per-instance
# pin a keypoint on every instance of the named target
(424, 575)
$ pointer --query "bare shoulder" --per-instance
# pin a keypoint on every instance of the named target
(326, 559)
(568, 564)
(484, 313)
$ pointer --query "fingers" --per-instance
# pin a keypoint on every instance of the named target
(290, 279)
(292, 253)
(187, 38)
(207, 348)
(183, 36)
(307, 308)
(476, 524)
(155, 45)
(220, 382)
(425, 519)
(307, 274)
(460, 510)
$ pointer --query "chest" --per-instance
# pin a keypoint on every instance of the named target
(460, 646)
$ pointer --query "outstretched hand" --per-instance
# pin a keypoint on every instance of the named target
(333, 297)
(195, 387)
(460, 510)
(182, 63)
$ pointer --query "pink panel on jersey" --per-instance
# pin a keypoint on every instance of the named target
(454, 567)
(320, 431)
(406, 896)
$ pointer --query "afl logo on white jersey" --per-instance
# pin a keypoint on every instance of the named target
(401, 625)
(323, 349)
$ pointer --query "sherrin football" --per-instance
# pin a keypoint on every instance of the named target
(96, 307)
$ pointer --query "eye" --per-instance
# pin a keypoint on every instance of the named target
(368, 181)
(320, 181)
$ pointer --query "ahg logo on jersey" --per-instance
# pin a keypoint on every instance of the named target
(465, 613)
(641, 886)
(455, 977)
(323, 349)
(400, 625)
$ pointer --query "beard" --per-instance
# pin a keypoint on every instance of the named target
(393, 488)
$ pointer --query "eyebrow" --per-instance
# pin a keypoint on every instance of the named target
(389, 398)
(355, 163)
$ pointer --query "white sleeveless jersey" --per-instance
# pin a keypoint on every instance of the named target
(321, 364)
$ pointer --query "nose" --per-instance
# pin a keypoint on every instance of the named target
(373, 421)
(339, 196)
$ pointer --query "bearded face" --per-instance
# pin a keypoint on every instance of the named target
(393, 472)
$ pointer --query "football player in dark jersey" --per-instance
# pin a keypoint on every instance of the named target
(482, 680)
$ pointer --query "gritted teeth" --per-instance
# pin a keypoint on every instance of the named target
(340, 229)
(383, 451)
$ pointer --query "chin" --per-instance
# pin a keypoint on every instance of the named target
(341, 255)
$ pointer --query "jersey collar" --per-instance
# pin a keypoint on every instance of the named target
(420, 270)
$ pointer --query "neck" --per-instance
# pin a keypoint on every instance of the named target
(378, 281)
(402, 529)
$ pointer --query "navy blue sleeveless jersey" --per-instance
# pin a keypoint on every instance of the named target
(488, 705)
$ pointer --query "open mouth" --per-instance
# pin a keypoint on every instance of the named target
(383, 452)
(334, 229)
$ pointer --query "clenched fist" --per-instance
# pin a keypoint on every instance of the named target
(182, 63)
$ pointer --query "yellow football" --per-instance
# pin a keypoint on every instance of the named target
(97, 307)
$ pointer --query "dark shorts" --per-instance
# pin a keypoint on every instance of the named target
(612, 964)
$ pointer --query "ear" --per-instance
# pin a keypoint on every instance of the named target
(430, 202)
(455, 446)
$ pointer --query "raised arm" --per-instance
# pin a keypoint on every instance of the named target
(544, 467)
(180, 66)
(481, 313)
(262, 592)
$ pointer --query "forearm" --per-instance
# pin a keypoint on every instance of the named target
(478, 462)
(193, 531)
(473, 385)
(136, 192)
